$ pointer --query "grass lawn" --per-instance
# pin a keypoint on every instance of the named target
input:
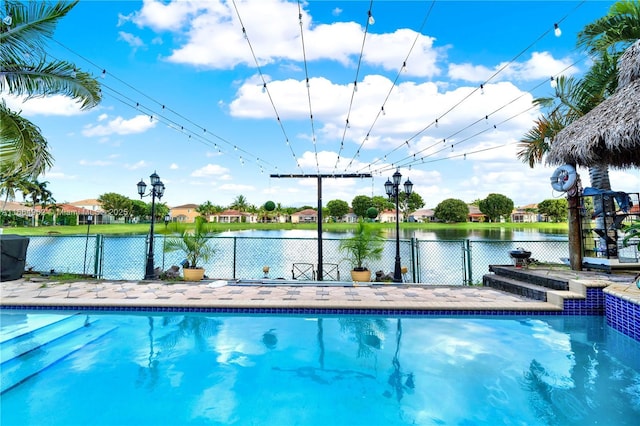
(143, 228)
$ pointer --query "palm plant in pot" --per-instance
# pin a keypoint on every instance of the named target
(365, 244)
(196, 246)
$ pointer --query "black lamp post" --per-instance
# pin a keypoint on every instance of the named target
(167, 219)
(157, 190)
(393, 191)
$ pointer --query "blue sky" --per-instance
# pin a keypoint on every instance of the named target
(184, 95)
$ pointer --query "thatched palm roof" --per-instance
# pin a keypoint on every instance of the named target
(609, 135)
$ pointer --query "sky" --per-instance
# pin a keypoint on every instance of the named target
(440, 90)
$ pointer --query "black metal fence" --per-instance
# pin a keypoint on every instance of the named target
(454, 262)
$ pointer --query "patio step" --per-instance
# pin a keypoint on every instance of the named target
(530, 276)
(28, 354)
(514, 286)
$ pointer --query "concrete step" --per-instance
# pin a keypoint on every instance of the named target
(514, 286)
(530, 276)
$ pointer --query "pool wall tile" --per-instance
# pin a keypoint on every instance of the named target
(623, 315)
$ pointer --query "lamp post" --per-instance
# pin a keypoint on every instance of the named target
(89, 219)
(167, 219)
(393, 191)
(157, 190)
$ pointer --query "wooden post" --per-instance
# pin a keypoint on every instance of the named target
(575, 234)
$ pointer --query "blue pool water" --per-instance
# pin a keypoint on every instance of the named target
(192, 369)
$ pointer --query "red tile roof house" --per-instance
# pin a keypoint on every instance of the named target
(305, 216)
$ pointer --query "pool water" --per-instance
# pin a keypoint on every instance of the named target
(191, 369)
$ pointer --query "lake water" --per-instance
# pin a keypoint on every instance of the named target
(432, 257)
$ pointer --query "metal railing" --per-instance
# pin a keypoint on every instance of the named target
(443, 262)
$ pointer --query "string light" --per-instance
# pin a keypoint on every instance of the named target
(371, 20)
(553, 82)
(8, 20)
(482, 89)
(556, 30)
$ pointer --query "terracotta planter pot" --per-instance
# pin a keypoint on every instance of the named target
(193, 274)
(361, 276)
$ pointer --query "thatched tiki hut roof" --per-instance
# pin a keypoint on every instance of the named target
(609, 134)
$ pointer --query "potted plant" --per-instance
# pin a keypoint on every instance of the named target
(365, 244)
(195, 244)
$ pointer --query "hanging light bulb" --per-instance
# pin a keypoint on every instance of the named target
(74, 74)
(482, 89)
(264, 87)
(553, 83)
(7, 20)
(371, 20)
(556, 30)
(383, 111)
(355, 86)
(104, 74)
(436, 123)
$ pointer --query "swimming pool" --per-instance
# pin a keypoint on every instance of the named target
(186, 369)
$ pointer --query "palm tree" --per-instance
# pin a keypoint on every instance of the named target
(240, 203)
(28, 72)
(8, 187)
(613, 32)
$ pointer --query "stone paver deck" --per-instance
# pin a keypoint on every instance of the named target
(219, 294)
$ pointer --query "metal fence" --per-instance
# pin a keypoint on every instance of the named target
(454, 262)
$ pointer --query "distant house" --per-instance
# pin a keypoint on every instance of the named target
(93, 207)
(475, 215)
(525, 214)
(185, 213)
(423, 215)
(350, 217)
(305, 216)
(388, 216)
(232, 216)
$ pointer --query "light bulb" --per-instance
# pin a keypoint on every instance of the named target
(7, 20)
(556, 30)
(371, 20)
(482, 89)
(383, 111)
(553, 83)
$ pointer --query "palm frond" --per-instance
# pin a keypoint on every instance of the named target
(613, 32)
(23, 149)
(49, 78)
(33, 22)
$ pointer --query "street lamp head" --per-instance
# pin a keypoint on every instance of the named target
(158, 187)
(89, 219)
(154, 179)
(396, 178)
(167, 219)
(388, 187)
(142, 187)
(408, 187)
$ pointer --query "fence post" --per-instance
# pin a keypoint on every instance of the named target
(235, 255)
(414, 264)
(467, 257)
(98, 256)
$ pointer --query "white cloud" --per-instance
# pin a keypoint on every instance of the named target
(174, 166)
(139, 165)
(120, 126)
(48, 105)
(134, 41)
(210, 170)
(539, 66)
